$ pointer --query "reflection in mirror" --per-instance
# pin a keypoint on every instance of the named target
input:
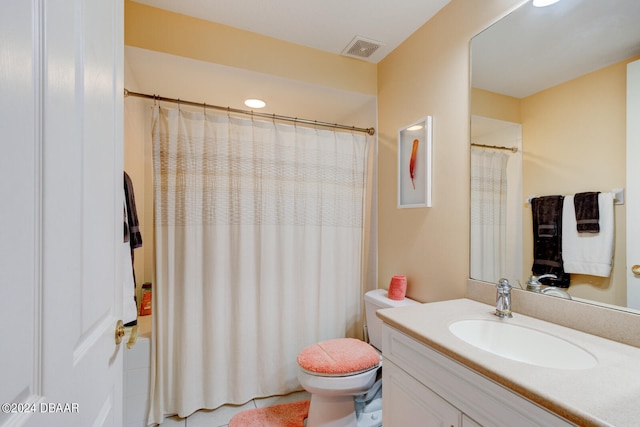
(557, 91)
(496, 211)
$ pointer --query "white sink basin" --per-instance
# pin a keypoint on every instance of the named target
(522, 344)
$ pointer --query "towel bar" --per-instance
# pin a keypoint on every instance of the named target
(618, 196)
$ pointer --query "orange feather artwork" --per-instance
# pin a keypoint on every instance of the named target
(412, 162)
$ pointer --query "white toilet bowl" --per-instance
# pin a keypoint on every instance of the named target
(333, 389)
(334, 372)
(332, 402)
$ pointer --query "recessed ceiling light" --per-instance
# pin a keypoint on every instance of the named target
(255, 103)
(543, 3)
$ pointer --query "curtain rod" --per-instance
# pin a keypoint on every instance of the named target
(513, 149)
(369, 131)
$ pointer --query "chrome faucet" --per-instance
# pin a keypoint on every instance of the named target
(503, 299)
(533, 283)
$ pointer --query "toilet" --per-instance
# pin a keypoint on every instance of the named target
(336, 371)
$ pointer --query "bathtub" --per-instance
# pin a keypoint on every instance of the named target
(137, 365)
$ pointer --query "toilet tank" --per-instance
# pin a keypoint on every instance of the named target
(374, 301)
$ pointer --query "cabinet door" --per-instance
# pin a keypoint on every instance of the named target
(408, 403)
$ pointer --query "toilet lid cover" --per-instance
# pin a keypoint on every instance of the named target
(341, 356)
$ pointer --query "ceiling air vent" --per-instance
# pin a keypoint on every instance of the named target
(361, 48)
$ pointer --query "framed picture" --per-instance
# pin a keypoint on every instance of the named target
(414, 164)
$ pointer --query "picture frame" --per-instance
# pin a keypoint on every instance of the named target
(414, 164)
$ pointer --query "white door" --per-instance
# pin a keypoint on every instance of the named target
(60, 212)
(633, 183)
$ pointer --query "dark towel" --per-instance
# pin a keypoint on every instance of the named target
(587, 212)
(547, 239)
(135, 237)
(131, 228)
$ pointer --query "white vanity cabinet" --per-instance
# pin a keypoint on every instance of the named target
(421, 387)
(410, 403)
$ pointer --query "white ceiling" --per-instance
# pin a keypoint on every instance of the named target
(535, 48)
(328, 25)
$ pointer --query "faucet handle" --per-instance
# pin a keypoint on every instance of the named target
(549, 275)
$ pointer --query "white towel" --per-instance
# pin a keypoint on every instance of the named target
(588, 253)
(130, 312)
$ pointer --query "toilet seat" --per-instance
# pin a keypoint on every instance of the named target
(341, 375)
(338, 358)
(334, 372)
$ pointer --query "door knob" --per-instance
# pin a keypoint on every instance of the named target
(635, 269)
(119, 332)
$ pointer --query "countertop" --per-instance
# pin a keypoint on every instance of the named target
(605, 395)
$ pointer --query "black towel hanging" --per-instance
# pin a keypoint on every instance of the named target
(547, 240)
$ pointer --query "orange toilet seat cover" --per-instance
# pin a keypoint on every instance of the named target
(341, 356)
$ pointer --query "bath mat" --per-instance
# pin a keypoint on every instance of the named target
(285, 415)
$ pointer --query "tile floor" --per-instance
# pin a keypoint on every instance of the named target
(220, 417)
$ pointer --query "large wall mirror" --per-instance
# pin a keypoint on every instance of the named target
(548, 117)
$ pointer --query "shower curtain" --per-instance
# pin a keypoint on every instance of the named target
(259, 252)
(488, 214)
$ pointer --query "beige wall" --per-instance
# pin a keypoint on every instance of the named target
(495, 106)
(429, 75)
